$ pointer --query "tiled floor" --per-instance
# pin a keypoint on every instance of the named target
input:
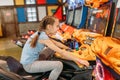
(8, 48)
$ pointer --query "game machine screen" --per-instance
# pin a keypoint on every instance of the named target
(80, 17)
(70, 12)
(76, 13)
(98, 19)
(116, 26)
(69, 18)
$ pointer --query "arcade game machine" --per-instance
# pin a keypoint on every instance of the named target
(74, 32)
(74, 35)
(99, 24)
(75, 22)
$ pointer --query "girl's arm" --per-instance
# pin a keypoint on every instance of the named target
(66, 54)
(59, 44)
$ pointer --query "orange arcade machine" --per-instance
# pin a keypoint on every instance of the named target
(98, 28)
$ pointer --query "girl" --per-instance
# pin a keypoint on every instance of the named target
(37, 42)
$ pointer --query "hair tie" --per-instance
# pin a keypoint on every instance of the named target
(38, 33)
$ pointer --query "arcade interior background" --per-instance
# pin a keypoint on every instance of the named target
(88, 26)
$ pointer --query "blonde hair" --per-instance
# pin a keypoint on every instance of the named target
(47, 20)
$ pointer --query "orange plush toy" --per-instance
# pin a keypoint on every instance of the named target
(95, 3)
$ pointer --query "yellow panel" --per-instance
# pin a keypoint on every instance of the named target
(19, 2)
(50, 8)
(1, 30)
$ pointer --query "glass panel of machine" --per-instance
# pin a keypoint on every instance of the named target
(99, 18)
(69, 19)
(77, 17)
(116, 33)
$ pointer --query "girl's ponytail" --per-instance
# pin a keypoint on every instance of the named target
(34, 40)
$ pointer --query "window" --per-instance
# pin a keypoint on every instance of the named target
(30, 2)
(35, 10)
(42, 12)
(31, 14)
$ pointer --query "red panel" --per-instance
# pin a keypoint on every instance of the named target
(41, 1)
(58, 13)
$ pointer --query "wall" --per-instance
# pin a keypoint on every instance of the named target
(24, 27)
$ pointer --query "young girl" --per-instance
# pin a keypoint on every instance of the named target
(37, 42)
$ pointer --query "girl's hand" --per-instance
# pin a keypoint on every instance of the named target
(84, 62)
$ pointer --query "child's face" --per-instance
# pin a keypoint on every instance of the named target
(54, 27)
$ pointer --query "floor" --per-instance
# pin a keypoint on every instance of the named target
(8, 48)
